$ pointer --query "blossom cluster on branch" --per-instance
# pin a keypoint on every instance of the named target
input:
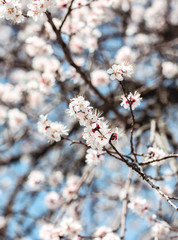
(88, 134)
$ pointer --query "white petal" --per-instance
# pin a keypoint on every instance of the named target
(110, 71)
(112, 77)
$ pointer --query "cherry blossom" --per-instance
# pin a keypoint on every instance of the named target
(99, 78)
(52, 200)
(38, 7)
(96, 131)
(120, 71)
(101, 232)
(35, 180)
(138, 205)
(59, 53)
(93, 157)
(111, 236)
(56, 178)
(70, 227)
(155, 153)
(169, 69)
(46, 63)
(132, 100)
(46, 232)
(52, 130)
(16, 119)
(37, 46)
(160, 230)
(71, 186)
(125, 54)
(3, 222)
(11, 10)
(46, 82)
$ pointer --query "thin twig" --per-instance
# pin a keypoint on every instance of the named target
(158, 160)
(137, 168)
(125, 206)
(133, 121)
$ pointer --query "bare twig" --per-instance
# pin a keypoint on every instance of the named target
(125, 205)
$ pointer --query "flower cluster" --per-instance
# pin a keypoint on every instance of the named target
(52, 200)
(35, 179)
(138, 205)
(155, 153)
(71, 186)
(16, 119)
(125, 54)
(96, 133)
(52, 130)
(169, 69)
(46, 232)
(37, 46)
(11, 10)
(111, 236)
(68, 227)
(46, 82)
(38, 7)
(99, 78)
(93, 157)
(56, 178)
(132, 100)
(155, 15)
(105, 233)
(160, 230)
(10, 94)
(120, 71)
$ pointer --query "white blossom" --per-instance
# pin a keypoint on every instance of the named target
(37, 46)
(46, 82)
(125, 54)
(155, 15)
(120, 71)
(46, 232)
(3, 222)
(131, 99)
(11, 10)
(35, 179)
(70, 227)
(117, 134)
(16, 119)
(10, 94)
(52, 200)
(101, 232)
(96, 131)
(93, 157)
(138, 205)
(56, 178)
(169, 69)
(52, 130)
(111, 236)
(155, 153)
(46, 63)
(38, 7)
(99, 78)
(160, 230)
(71, 186)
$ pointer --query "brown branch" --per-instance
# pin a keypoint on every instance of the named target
(133, 121)
(158, 160)
(67, 14)
(84, 75)
(137, 168)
